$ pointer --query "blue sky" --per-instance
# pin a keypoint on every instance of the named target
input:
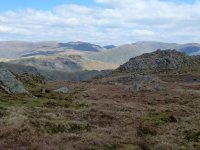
(39, 4)
(6, 5)
(100, 21)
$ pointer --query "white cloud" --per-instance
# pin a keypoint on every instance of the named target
(116, 22)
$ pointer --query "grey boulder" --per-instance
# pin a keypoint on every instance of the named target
(9, 83)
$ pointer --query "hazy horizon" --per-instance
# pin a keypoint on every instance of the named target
(48, 41)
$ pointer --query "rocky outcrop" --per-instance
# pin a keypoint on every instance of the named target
(161, 61)
(9, 83)
(20, 69)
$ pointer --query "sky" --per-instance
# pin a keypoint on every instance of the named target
(100, 21)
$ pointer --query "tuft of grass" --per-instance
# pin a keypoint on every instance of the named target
(159, 118)
(150, 123)
(65, 104)
(192, 136)
(49, 126)
(3, 112)
(56, 103)
(59, 126)
(129, 147)
(77, 127)
(144, 130)
(110, 146)
(78, 105)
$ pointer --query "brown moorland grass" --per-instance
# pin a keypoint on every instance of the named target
(103, 114)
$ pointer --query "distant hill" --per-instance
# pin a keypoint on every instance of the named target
(189, 48)
(14, 49)
(42, 53)
(82, 46)
(152, 46)
(118, 55)
(64, 63)
(18, 69)
(109, 46)
(63, 48)
(121, 54)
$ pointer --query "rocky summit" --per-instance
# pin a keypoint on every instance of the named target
(162, 61)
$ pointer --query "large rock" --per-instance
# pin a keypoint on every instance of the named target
(9, 83)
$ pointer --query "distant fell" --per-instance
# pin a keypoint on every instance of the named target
(109, 46)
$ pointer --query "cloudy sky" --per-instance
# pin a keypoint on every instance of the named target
(100, 21)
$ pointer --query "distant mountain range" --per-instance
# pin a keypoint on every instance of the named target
(14, 49)
(80, 56)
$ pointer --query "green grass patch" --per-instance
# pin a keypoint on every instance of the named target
(21, 100)
(13, 100)
(159, 118)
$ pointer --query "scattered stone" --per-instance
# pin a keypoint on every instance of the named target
(64, 90)
(43, 91)
(156, 86)
(137, 86)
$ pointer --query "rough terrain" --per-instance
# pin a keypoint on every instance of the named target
(123, 111)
